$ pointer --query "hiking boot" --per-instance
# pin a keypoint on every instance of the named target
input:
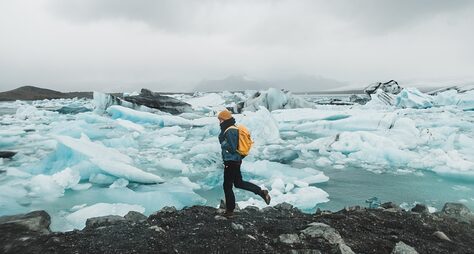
(265, 196)
(228, 214)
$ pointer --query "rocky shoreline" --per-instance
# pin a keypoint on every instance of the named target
(278, 229)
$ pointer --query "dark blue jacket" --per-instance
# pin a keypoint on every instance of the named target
(229, 143)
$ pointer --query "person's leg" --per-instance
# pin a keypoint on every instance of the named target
(228, 182)
(241, 184)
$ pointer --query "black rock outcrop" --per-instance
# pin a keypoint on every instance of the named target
(279, 229)
(161, 102)
(7, 154)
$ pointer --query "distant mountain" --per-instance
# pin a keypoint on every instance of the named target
(231, 83)
(37, 93)
(297, 83)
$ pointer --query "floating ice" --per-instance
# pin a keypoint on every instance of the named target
(305, 198)
(120, 169)
(262, 126)
(288, 184)
(119, 183)
(146, 117)
(273, 99)
(173, 165)
(102, 179)
(208, 100)
(413, 98)
(167, 141)
(31, 112)
(290, 145)
(130, 125)
(452, 97)
(108, 159)
(50, 187)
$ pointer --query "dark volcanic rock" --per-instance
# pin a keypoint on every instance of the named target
(276, 230)
(102, 221)
(389, 205)
(160, 102)
(37, 221)
(457, 211)
(135, 216)
(7, 154)
(420, 208)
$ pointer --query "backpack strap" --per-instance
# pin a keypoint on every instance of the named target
(231, 127)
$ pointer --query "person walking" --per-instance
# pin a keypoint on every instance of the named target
(229, 140)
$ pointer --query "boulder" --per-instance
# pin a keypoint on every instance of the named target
(402, 248)
(420, 208)
(102, 221)
(135, 216)
(284, 206)
(236, 226)
(321, 230)
(455, 210)
(36, 222)
(441, 235)
(388, 205)
(168, 209)
(289, 238)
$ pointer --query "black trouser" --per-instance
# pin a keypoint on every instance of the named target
(233, 176)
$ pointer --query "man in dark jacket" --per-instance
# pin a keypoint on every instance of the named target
(229, 140)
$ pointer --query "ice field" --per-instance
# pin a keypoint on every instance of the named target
(119, 159)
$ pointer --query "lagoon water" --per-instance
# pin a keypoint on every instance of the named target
(82, 165)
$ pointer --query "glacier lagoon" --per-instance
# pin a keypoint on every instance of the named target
(95, 163)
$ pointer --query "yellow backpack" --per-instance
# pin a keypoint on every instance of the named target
(245, 141)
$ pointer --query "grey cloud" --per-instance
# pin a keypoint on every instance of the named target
(373, 16)
(382, 16)
(168, 15)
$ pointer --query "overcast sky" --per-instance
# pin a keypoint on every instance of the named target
(172, 45)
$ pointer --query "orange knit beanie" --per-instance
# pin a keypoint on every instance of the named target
(224, 115)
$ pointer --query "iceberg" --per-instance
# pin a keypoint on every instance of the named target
(207, 100)
(51, 187)
(109, 160)
(390, 87)
(130, 125)
(273, 99)
(145, 117)
(123, 170)
(26, 112)
(464, 100)
(413, 98)
(262, 126)
(146, 101)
